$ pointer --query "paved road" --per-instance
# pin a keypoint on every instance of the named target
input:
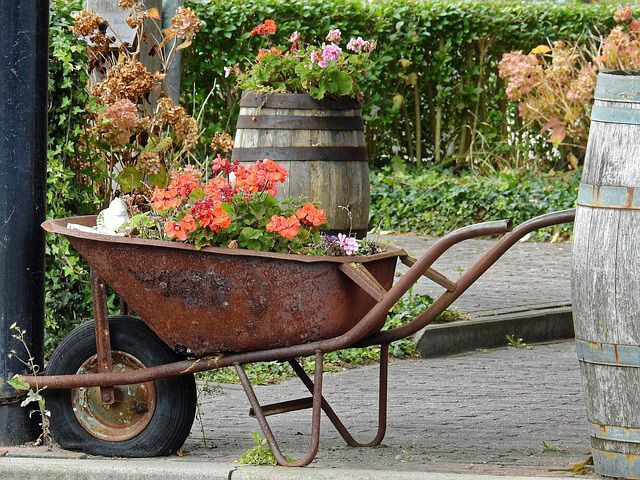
(528, 274)
(488, 412)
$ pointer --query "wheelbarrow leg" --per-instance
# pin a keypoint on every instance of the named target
(382, 402)
(103, 337)
(266, 429)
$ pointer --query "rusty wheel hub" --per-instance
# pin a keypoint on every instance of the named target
(130, 413)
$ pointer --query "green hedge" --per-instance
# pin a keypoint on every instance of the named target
(435, 204)
(453, 47)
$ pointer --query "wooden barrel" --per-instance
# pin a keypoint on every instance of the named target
(322, 145)
(606, 276)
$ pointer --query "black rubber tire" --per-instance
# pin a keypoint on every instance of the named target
(176, 397)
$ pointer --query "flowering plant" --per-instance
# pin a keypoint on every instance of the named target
(134, 134)
(621, 48)
(236, 207)
(319, 70)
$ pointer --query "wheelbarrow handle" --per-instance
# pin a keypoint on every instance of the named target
(470, 276)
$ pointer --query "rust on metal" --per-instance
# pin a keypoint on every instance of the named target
(284, 407)
(431, 274)
(364, 279)
(218, 301)
(266, 429)
(103, 336)
(297, 122)
(124, 418)
(366, 331)
(301, 154)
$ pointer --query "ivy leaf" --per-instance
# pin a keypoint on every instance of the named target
(129, 178)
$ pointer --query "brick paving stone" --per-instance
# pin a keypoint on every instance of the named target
(484, 412)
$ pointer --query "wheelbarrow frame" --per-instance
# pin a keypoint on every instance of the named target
(358, 336)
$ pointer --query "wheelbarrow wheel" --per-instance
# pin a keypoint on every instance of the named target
(146, 420)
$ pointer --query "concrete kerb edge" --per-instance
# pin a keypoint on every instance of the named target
(489, 330)
(17, 468)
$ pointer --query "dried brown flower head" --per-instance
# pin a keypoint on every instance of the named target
(176, 117)
(150, 162)
(128, 79)
(185, 23)
(127, 4)
(222, 142)
(86, 23)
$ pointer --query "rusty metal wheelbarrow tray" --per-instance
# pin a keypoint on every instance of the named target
(220, 300)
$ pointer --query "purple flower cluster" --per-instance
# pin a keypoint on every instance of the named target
(340, 245)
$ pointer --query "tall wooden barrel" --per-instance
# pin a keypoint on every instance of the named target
(322, 145)
(606, 276)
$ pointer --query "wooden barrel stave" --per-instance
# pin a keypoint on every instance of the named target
(326, 165)
(606, 280)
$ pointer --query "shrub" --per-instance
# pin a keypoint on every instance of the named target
(434, 91)
(436, 203)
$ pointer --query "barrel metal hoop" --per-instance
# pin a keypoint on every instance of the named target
(618, 115)
(616, 464)
(609, 196)
(299, 101)
(301, 154)
(614, 433)
(12, 400)
(618, 88)
(612, 354)
(295, 122)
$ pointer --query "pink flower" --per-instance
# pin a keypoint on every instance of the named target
(623, 15)
(348, 244)
(334, 36)
(331, 52)
(356, 44)
(370, 45)
(316, 57)
(295, 37)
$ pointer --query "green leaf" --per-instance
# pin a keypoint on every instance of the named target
(341, 83)
(17, 383)
(129, 178)
(160, 179)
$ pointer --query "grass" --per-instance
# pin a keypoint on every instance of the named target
(405, 310)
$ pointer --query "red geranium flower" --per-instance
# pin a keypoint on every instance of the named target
(211, 215)
(308, 214)
(181, 228)
(265, 53)
(163, 199)
(287, 227)
(266, 28)
(184, 184)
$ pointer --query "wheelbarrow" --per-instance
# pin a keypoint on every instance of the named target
(124, 385)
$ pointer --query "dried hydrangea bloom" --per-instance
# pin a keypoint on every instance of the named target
(118, 123)
(521, 71)
(582, 88)
(222, 142)
(150, 162)
(623, 15)
(127, 4)
(128, 79)
(621, 51)
(86, 23)
(175, 116)
(563, 63)
(185, 23)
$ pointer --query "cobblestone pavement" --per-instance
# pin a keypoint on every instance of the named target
(528, 274)
(485, 412)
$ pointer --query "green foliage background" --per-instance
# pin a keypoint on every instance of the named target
(453, 47)
(444, 42)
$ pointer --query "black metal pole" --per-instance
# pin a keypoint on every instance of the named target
(24, 26)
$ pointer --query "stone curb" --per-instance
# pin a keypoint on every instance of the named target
(540, 323)
(12, 468)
